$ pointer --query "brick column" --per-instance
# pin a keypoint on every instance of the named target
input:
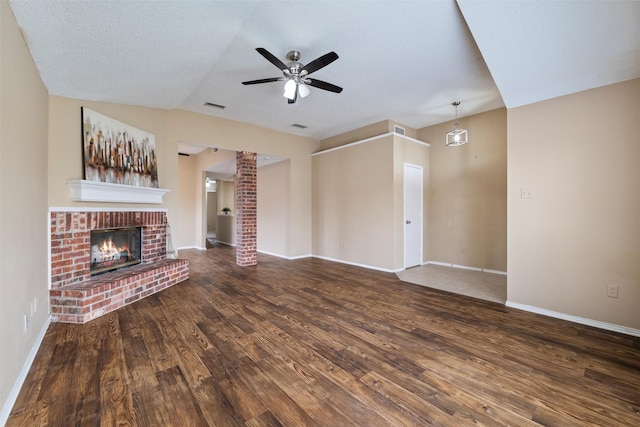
(246, 208)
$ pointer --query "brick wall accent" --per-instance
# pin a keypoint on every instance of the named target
(75, 296)
(71, 240)
(246, 208)
(87, 300)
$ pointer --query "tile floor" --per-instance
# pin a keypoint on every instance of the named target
(477, 284)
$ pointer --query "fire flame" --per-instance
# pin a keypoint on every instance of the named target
(107, 251)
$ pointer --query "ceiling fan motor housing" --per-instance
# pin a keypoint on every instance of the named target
(293, 55)
(294, 66)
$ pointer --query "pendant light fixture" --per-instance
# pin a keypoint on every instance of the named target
(457, 136)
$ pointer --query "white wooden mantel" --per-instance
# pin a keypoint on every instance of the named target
(95, 191)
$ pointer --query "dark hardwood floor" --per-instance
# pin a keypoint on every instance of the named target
(311, 342)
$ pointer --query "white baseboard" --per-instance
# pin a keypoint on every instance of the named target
(370, 267)
(17, 386)
(575, 319)
(466, 267)
(226, 243)
(191, 247)
(284, 256)
(301, 256)
(273, 254)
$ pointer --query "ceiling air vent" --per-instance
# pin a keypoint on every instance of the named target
(296, 125)
(399, 130)
(211, 104)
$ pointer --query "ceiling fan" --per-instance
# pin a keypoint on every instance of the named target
(296, 74)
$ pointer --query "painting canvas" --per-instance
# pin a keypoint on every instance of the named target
(116, 152)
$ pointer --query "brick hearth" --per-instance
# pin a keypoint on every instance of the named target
(76, 296)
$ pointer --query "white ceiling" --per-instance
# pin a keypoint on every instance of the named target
(399, 60)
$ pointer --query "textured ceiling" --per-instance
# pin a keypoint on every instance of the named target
(399, 60)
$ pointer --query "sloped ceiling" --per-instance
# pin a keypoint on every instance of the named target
(538, 50)
(399, 60)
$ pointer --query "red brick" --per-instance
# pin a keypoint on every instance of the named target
(70, 263)
(100, 304)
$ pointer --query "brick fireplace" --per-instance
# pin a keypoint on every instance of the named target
(76, 296)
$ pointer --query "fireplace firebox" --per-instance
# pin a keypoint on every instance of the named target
(115, 248)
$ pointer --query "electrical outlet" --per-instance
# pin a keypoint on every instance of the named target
(527, 193)
(612, 291)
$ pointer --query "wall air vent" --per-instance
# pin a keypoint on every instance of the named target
(399, 130)
(211, 104)
(299, 126)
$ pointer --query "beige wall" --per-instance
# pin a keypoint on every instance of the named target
(195, 216)
(170, 127)
(410, 132)
(353, 207)
(357, 201)
(226, 228)
(195, 213)
(212, 211)
(184, 233)
(227, 196)
(273, 218)
(580, 154)
(65, 153)
(408, 151)
(203, 162)
(375, 129)
(199, 182)
(468, 200)
(23, 205)
(229, 135)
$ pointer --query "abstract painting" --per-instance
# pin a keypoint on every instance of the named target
(117, 153)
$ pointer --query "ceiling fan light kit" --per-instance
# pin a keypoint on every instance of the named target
(303, 90)
(290, 88)
(296, 74)
(456, 136)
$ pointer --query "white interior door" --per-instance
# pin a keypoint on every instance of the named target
(412, 215)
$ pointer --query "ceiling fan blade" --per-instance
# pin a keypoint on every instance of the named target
(321, 62)
(271, 58)
(255, 82)
(323, 85)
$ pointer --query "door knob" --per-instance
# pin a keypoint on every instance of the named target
(408, 222)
